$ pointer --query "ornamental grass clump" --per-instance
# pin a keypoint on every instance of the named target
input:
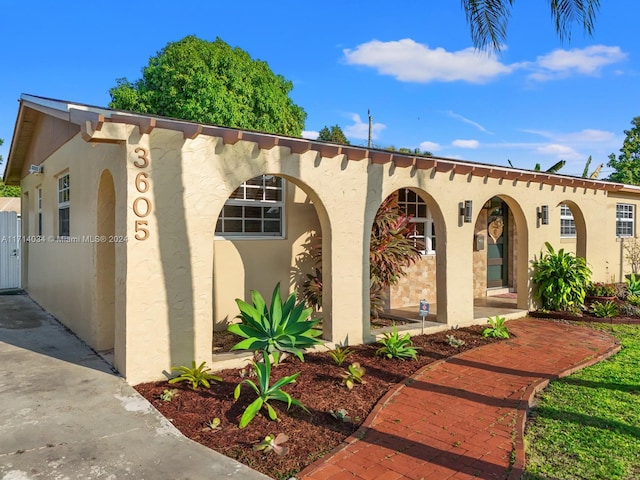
(560, 279)
(284, 327)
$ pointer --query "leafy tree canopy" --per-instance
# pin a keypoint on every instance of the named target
(6, 191)
(488, 19)
(211, 82)
(333, 134)
(627, 165)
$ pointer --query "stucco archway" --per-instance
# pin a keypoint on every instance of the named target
(426, 278)
(278, 253)
(573, 227)
(500, 249)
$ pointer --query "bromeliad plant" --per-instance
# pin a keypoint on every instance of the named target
(600, 289)
(284, 327)
(273, 443)
(353, 375)
(633, 284)
(561, 279)
(197, 376)
(604, 310)
(394, 346)
(266, 392)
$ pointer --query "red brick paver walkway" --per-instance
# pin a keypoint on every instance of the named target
(463, 418)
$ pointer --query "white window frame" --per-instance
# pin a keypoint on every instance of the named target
(412, 207)
(625, 220)
(252, 196)
(64, 197)
(39, 210)
(567, 222)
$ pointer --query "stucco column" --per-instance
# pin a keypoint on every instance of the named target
(458, 281)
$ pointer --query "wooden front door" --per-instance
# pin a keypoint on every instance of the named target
(497, 244)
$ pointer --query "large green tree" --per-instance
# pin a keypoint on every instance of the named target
(5, 190)
(333, 134)
(627, 165)
(488, 19)
(211, 82)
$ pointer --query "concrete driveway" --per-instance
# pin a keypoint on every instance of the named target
(66, 415)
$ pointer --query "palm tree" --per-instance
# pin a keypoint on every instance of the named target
(555, 168)
(488, 19)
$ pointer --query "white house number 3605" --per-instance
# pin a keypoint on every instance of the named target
(141, 204)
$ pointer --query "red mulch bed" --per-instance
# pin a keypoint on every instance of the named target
(318, 387)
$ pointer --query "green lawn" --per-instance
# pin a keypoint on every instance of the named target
(587, 426)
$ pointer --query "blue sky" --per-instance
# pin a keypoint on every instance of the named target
(410, 62)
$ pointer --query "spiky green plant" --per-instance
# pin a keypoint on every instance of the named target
(395, 346)
(197, 376)
(266, 392)
(282, 327)
(340, 354)
(560, 279)
(607, 309)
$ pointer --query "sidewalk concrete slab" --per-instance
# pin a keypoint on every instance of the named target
(67, 415)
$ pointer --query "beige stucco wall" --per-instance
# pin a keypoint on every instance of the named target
(172, 287)
(242, 265)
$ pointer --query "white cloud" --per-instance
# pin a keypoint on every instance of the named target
(466, 143)
(586, 61)
(310, 134)
(409, 61)
(470, 122)
(360, 129)
(561, 151)
(583, 136)
(430, 146)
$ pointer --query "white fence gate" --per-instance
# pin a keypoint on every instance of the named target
(10, 242)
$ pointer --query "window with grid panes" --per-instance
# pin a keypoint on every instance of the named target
(567, 222)
(64, 191)
(254, 209)
(424, 232)
(625, 220)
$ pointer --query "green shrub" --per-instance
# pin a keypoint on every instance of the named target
(561, 279)
(633, 284)
(197, 376)
(266, 392)
(283, 327)
(604, 310)
(634, 300)
(497, 328)
(394, 346)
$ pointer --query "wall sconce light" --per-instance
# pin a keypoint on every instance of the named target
(466, 211)
(36, 169)
(543, 214)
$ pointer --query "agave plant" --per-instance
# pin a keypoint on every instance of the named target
(561, 279)
(282, 327)
(266, 392)
(195, 375)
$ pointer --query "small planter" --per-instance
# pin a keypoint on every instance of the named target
(593, 299)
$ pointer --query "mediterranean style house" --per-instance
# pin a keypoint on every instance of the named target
(141, 231)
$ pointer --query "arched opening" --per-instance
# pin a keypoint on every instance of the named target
(412, 254)
(106, 264)
(266, 234)
(500, 258)
(573, 228)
